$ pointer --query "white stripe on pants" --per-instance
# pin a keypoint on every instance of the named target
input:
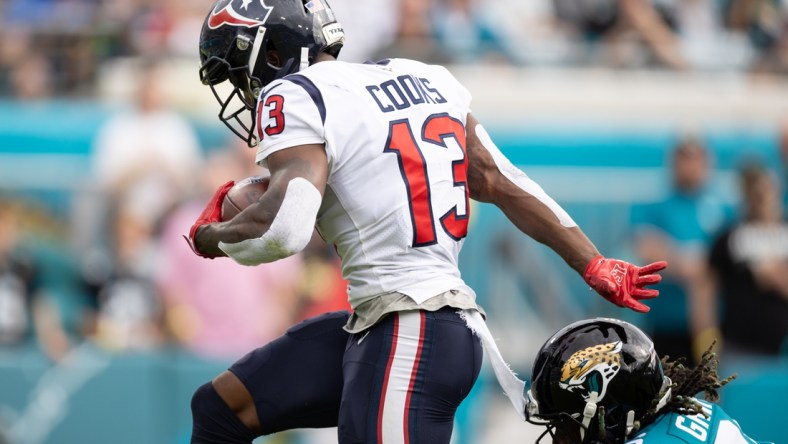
(400, 374)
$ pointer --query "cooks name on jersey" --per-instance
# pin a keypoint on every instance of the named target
(403, 92)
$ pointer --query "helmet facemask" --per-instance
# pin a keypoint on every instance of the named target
(238, 105)
(550, 421)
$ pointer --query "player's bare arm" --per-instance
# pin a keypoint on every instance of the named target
(526, 211)
(493, 179)
(296, 170)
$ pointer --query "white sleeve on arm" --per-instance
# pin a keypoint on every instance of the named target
(290, 231)
(519, 178)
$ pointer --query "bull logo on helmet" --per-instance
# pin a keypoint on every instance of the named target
(591, 369)
(236, 13)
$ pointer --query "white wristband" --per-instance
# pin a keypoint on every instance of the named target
(289, 232)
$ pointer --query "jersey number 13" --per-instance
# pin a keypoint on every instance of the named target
(413, 166)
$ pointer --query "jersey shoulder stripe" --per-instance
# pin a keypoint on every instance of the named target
(270, 88)
(312, 90)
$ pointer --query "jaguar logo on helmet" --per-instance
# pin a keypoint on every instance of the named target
(236, 13)
(591, 369)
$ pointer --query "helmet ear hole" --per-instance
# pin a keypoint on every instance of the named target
(272, 58)
(629, 359)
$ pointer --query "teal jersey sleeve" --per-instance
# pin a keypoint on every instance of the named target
(674, 428)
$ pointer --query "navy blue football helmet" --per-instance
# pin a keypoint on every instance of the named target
(238, 39)
(596, 373)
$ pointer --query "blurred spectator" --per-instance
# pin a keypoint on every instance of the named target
(146, 158)
(128, 309)
(413, 37)
(467, 33)
(59, 34)
(218, 309)
(185, 29)
(369, 26)
(150, 28)
(749, 265)
(165, 27)
(39, 287)
(680, 229)
(414, 19)
(31, 78)
(14, 45)
(46, 14)
(766, 24)
(705, 41)
(783, 144)
(533, 33)
(619, 23)
(16, 280)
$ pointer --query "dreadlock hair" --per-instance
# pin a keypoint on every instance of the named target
(685, 384)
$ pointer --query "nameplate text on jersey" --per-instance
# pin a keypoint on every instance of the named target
(403, 92)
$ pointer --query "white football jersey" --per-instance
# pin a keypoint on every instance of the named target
(396, 205)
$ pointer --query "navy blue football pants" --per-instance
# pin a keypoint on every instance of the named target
(400, 381)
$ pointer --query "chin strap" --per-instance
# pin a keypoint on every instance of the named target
(588, 413)
(256, 46)
(666, 397)
(630, 422)
(660, 404)
(304, 58)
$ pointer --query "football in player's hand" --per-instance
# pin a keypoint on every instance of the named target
(244, 193)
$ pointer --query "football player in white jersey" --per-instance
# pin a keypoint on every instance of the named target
(600, 381)
(382, 158)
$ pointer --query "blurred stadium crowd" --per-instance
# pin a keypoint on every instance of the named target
(57, 47)
(112, 270)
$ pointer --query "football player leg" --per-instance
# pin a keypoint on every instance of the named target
(405, 378)
(226, 418)
(294, 381)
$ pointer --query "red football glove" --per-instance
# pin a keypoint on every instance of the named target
(623, 283)
(212, 213)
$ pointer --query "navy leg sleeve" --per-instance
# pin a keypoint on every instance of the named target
(214, 422)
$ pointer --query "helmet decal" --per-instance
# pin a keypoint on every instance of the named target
(314, 6)
(591, 369)
(232, 15)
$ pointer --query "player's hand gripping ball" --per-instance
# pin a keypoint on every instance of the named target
(244, 193)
